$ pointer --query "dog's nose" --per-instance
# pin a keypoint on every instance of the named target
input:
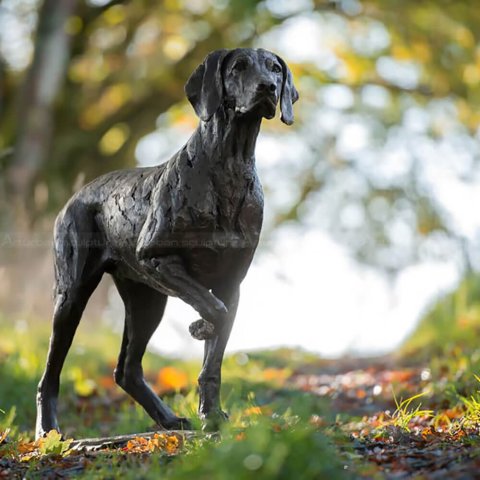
(267, 87)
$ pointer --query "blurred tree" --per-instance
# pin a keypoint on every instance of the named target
(128, 64)
(382, 82)
(389, 128)
(35, 117)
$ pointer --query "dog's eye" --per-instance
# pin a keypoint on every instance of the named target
(276, 68)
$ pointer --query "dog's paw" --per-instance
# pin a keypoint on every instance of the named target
(212, 421)
(202, 330)
(177, 423)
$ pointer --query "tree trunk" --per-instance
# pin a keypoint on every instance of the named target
(35, 114)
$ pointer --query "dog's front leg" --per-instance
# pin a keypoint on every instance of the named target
(169, 275)
(167, 272)
(209, 380)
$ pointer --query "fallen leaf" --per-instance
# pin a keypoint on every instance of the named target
(107, 382)
(277, 375)
(159, 442)
(52, 443)
(252, 411)
(171, 378)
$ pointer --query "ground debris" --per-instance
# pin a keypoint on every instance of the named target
(391, 440)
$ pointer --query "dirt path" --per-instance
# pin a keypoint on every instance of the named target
(388, 442)
(369, 408)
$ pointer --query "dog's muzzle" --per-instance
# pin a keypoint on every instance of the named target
(267, 99)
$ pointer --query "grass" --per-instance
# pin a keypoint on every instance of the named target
(278, 428)
(452, 322)
(261, 451)
(446, 340)
(269, 433)
(472, 406)
(405, 413)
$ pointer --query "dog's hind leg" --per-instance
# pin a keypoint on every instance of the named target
(209, 380)
(144, 308)
(77, 273)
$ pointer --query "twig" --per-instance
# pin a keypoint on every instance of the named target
(92, 444)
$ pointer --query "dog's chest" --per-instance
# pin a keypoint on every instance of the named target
(225, 199)
(217, 216)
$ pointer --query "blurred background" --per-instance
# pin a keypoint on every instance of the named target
(372, 196)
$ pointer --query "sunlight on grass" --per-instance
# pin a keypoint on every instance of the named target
(453, 320)
(289, 411)
(87, 378)
(405, 414)
(472, 407)
(270, 432)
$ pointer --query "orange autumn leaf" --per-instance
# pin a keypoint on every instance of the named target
(138, 445)
(26, 447)
(172, 445)
(399, 375)
(256, 410)
(160, 442)
(276, 374)
(455, 412)
(171, 378)
(361, 393)
(252, 411)
(107, 382)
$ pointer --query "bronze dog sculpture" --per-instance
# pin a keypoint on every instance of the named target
(187, 228)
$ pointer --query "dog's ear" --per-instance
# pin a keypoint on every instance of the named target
(204, 88)
(289, 94)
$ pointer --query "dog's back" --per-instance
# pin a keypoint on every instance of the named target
(101, 220)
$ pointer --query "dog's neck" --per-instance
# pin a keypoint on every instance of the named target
(227, 141)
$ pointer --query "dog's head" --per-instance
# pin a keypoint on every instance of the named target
(249, 81)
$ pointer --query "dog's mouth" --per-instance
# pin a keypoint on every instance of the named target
(269, 105)
(266, 105)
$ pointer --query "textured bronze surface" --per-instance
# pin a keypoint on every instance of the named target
(187, 228)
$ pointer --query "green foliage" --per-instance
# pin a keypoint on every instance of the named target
(472, 407)
(404, 413)
(257, 450)
(262, 451)
(129, 62)
(270, 433)
(53, 444)
(281, 425)
(452, 321)
(87, 375)
(7, 420)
